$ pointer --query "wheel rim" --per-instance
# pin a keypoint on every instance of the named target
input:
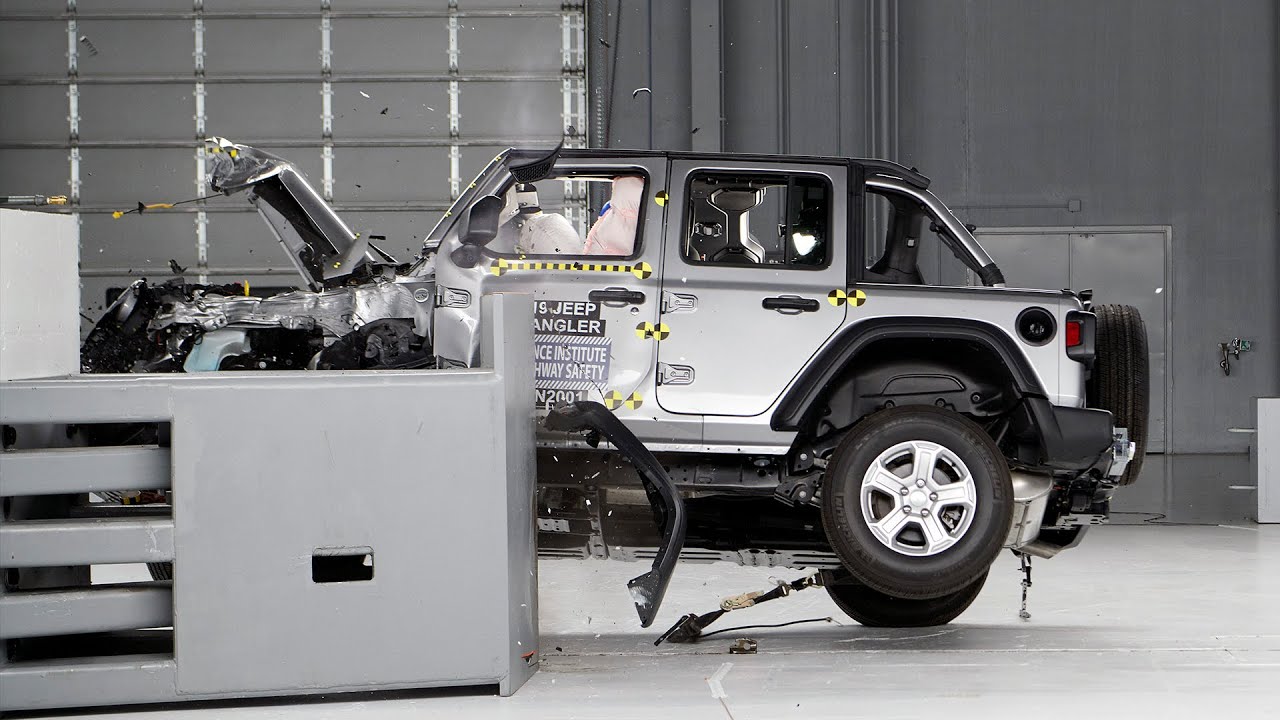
(918, 498)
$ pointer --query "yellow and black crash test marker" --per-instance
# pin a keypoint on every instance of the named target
(839, 297)
(652, 331)
(502, 266)
(614, 400)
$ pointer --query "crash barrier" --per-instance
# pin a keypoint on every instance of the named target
(1266, 446)
(323, 531)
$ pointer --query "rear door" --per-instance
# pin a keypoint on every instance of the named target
(753, 276)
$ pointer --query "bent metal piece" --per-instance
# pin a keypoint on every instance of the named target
(648, 589)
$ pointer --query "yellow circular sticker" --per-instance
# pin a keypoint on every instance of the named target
(661, 198)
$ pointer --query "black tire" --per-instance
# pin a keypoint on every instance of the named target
(873, 608)
(1120, 380)
(895, 571)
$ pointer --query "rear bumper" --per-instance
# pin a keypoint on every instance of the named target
(1078, 439)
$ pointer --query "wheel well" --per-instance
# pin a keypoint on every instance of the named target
(804, 399)
(963, 375)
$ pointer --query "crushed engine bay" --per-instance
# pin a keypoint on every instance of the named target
(362, 309)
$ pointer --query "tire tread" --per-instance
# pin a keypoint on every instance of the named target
(873, 608)
(1121, 376)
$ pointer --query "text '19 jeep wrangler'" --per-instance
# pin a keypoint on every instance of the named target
(767, 397)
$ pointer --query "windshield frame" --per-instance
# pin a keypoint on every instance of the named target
(450, 216)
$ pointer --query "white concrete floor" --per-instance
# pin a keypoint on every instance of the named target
(1165, 621)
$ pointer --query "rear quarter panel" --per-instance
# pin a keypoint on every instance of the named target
(1061, 377)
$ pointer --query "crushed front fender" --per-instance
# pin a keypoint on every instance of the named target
(648, 589)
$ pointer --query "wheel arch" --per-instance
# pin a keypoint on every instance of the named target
(835, 361)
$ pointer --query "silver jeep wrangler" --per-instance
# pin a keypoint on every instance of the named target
(723, 377)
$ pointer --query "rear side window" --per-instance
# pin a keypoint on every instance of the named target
(911, 246)
(758, 220)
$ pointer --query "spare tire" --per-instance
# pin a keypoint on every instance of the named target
(873, 608)
(1120, 380)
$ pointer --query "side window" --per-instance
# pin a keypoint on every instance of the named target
(753, 219)
(906, 245)
(538, 218)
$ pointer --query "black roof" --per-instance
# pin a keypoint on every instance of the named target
(872, 166)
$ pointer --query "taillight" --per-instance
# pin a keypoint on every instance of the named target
(1079, 335)
(1075, 333)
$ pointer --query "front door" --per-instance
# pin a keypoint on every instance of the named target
(754, 270)
(587, 247)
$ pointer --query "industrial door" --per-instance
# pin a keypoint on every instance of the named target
(1123, 266)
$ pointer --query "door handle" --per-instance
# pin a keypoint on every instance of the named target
(616, 295)
(790, 302)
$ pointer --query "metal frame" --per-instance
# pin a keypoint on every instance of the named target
(492, 76)
(1169, 286)
(294, 14)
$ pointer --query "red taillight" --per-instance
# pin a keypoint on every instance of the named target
(1074, 333)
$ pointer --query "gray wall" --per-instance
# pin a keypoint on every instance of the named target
(1149, 112)
(137, 125)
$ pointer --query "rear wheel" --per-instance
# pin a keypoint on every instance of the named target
(873, 608)
(1120, 376)
(917, 502)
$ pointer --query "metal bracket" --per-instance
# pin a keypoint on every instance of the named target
(797, 489)
(1122, 452)
(674, 374)
(1233, 347)
(677, 303)
(1080, 519)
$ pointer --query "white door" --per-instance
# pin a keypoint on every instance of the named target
(750, 261)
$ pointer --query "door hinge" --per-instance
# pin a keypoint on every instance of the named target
(676, 303)
(674, 374)
(450, 298)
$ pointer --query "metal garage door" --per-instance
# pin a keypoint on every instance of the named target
(1125, 265)
(387, 107)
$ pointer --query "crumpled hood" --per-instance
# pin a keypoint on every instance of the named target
(234, 167)
(319, 243)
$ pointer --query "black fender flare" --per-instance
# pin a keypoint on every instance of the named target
(807, 390)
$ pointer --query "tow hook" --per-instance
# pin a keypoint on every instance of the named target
(594, 419)
(1122, 452)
